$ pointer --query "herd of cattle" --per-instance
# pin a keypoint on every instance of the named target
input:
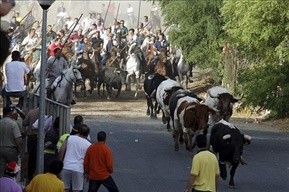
(192, 114)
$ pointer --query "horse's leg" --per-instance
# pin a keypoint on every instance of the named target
(137, 87)
(98, 87)
(84, 88)
(69, 97)
(190, 73)
(180, 75)
(128, 80)
(75, 89)
(187, 79)
(103, 86)
(91, 84)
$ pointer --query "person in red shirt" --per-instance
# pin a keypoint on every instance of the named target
(76, 35)
(98, 164)
(75, 38)
(54, 45)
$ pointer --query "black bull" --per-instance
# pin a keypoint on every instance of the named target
(111, 78)
(227, 141)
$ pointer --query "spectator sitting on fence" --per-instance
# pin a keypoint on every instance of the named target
(15, 71)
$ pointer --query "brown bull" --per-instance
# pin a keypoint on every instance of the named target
(190, 119)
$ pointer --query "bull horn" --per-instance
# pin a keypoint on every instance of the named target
(171, 88)
(242, 96)
(150, 77)
(201, 99)
(209, 93)
(227, 136)
(247, 137)
(191, 107)
(180, 95)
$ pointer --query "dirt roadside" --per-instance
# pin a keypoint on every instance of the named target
(127, 109)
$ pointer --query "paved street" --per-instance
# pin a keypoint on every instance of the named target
(145, 160)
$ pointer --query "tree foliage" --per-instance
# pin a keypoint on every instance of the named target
(259, 30)
(196, 29)
(256, 31)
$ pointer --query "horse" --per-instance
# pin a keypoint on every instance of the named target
(63, 84)
(145, 44)
(181, 69)
(113, 59)
(135, 66)
(96, 58)
(67, 53)
(63, 92)
(163, 66)
(122, 49)
(87, 70)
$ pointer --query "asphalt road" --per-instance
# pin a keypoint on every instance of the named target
(145, 160)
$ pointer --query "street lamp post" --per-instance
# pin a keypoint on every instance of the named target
(45, 4)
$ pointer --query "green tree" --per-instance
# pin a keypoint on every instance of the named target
(259, 30)
(196, 28)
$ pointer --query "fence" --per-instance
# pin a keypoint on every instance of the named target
(53, 109)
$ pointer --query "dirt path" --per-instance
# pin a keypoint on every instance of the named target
(127, 109)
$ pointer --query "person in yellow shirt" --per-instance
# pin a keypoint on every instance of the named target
(204, 176)
(48, 182)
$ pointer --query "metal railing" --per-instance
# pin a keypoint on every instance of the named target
(53, 109)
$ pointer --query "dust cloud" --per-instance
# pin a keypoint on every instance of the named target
(76, 8)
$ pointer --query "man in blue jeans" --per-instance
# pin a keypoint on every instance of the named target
(15, 72)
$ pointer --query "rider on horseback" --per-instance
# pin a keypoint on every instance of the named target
(107, 50)
(55, 66)
(123, 31)
(83, 51)
(161, 45)
(97, 45)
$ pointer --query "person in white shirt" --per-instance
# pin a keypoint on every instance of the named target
(92, 30)
(131, 37)
(72, 153)
(147, 24)
(86, 23)
(15, 71)
(130, 14)
(69, 22)
(75, 24)
(29, 43)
